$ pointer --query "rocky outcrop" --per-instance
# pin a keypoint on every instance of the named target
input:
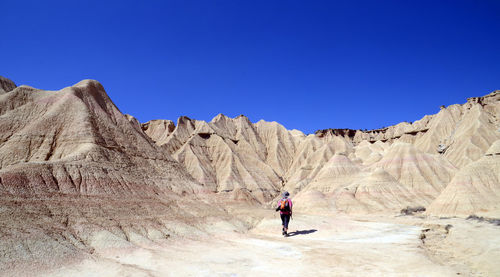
(158, 130)
(224, 155)
(474, 190)
(233, 154)
(6, 85)
(462, 133)
(312, 154)
(75, 141)
(77, 174)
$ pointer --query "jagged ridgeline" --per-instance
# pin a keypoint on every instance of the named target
(76, 142)
(381, 170)
(76, 175)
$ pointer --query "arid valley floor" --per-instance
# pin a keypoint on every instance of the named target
(320, 245)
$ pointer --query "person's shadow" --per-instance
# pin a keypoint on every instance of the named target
(303, 232)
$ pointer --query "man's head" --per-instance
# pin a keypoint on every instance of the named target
(286, 194)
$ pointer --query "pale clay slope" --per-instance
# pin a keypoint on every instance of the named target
(465, 131)
(78, 177)
(475, 189)
(422, 173)
(230, 154)
(73, 167)
(376, 192)
(62, 133)
(224, 155)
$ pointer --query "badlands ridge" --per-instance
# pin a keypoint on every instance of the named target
(447, 162)
(78, 177)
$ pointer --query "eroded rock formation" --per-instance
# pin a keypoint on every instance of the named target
(422, 157)
(76, 173)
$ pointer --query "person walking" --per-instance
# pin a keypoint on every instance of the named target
(285, 208)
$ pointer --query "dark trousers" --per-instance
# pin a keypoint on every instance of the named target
(285, 218)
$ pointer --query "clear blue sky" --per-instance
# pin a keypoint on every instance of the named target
(306, 64)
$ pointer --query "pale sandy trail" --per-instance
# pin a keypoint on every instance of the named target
(331, 246)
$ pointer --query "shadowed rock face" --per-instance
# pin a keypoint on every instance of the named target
(6, 85)
(158, 130)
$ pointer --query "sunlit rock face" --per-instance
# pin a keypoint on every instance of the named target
(264, 158)
(474, 190)
(75, 174)
(78, 176)
(75, 141)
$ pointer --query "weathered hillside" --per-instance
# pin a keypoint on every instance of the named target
(408, 161)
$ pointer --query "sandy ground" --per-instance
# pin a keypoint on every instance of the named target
(318, 246)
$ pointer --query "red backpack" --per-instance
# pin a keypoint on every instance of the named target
(285, 205)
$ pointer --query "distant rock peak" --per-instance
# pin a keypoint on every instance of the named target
(336, 132)
(6, 85)
(489, 99)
